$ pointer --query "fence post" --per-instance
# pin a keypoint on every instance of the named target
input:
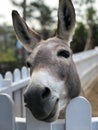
(78, 114)
(33, 124)
(7, 118)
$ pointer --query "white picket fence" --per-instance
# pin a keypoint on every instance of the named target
(77, 117)
(15, 84)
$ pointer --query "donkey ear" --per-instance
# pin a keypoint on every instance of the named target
(66, 20)
(27, 37)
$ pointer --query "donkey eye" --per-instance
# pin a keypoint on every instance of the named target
(28, 64)
(63, 53)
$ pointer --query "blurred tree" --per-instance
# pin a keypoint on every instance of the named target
(43, 14)
(90, 15)
(7, 47)
(39, 11)
(79, 38)
(21, 5)
(95, 35)
(90, 18)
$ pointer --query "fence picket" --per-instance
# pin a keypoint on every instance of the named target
(18, 103)
(9, 75)
(28, 72)
(78, 114)
(17, 75)
(1, 77)
(24, 72)
(7, 118)
(23, 105)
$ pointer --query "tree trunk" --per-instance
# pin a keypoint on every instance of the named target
(24, 10)
(89, 41)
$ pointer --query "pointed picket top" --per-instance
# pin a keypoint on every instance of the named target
(78, 114)
(9, 75)
(7, 118)
(17, 75)
(24, 72)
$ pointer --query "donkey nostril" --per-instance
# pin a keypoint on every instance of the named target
(57, 100)
(46, 92)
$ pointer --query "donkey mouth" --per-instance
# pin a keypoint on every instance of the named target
(50, 117)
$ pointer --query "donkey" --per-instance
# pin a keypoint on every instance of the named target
(54, 80)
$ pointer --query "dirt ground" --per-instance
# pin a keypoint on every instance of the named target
(92, 96)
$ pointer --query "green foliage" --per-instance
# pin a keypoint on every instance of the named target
(44, 17)
(7, 56)
(91, 15)
(7, 44)
(79, 38)
(95, 35)
(82, 2)
(89, 18)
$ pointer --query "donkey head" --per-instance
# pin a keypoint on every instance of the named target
(54, 79)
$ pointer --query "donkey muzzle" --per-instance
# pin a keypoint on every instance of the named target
(42, 104)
